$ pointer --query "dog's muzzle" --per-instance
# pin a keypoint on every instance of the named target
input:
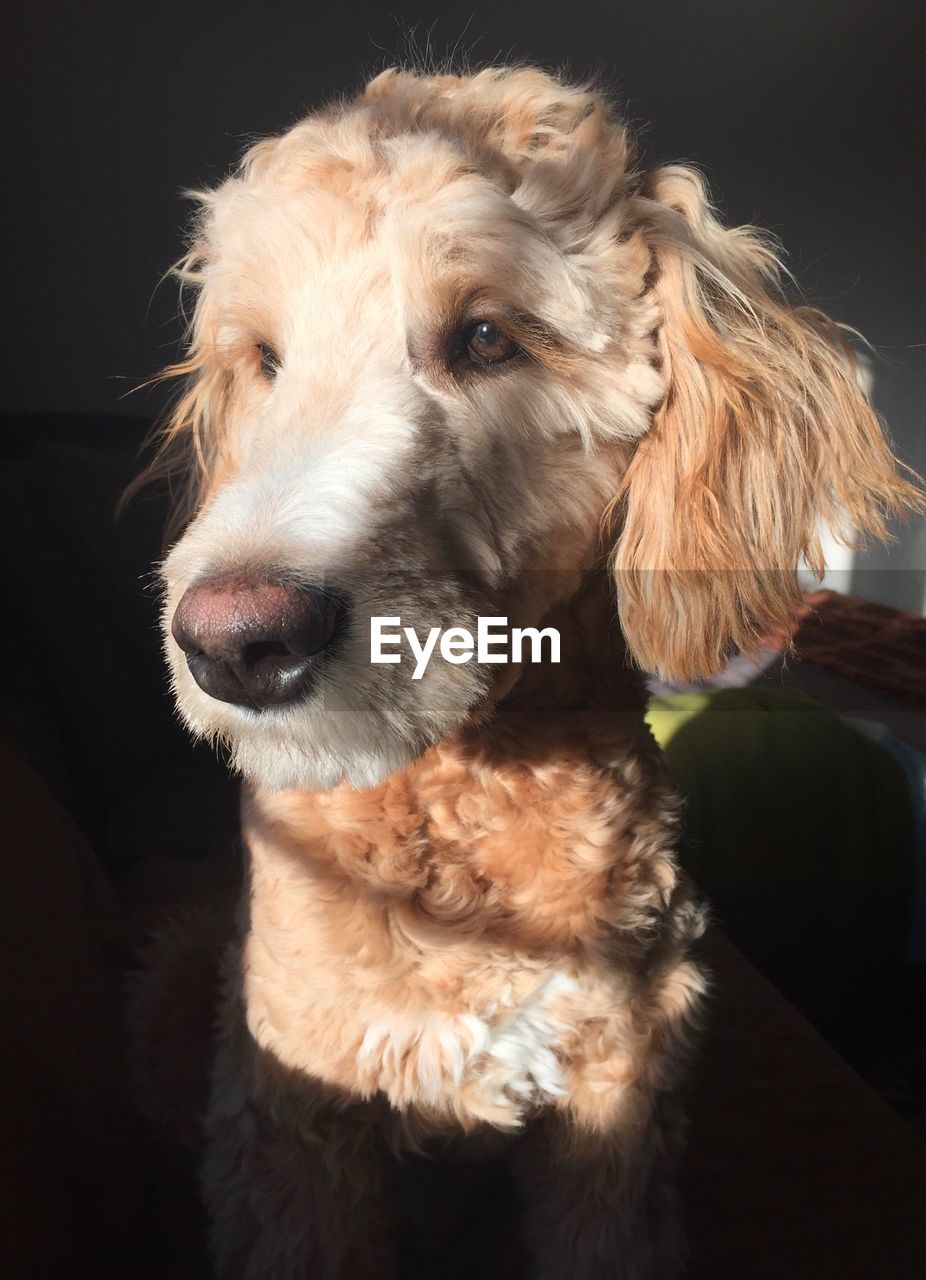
(254, 642)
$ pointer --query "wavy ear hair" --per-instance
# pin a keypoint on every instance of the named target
(189, 445)
(763, 433)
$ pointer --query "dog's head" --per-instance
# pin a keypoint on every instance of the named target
(446, 333)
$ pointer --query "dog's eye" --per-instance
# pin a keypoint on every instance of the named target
(484, 343)
(269, 360)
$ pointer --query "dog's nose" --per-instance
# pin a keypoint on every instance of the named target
(253, 642)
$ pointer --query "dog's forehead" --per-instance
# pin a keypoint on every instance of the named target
(415, 211)
(362, 158)
(335, 194)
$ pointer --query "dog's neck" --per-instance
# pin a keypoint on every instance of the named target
(595, 674)
(534, 848)
(522, 823)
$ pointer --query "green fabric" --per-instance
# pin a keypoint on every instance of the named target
(780, 794)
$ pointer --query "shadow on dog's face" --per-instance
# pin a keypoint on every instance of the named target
(434, 326)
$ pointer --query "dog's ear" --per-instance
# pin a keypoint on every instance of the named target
(764, 432)
(190, 446)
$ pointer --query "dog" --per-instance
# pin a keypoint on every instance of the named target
(456, 355)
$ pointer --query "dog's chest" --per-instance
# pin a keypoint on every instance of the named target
(495, 1062)
(491, 1052)
(401, 943)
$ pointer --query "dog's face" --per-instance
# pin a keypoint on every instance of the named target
(440, 331)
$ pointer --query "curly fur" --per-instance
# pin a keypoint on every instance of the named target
(464, 921)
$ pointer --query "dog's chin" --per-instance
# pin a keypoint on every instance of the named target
(281, 752)
(308, 748)
(307, 767)
(354, 731)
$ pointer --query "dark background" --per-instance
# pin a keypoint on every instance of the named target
(806, 114)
